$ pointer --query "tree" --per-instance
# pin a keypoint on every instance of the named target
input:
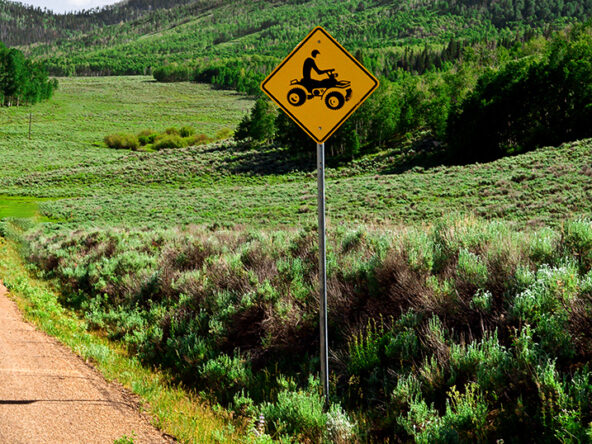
(259, 126)
(22, 81)
(527, 104)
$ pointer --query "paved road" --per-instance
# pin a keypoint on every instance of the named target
(49, 395)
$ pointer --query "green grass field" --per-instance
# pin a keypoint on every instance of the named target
(69, 129)
(67, 161)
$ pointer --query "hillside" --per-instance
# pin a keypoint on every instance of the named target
(200, 31)
(22, 24)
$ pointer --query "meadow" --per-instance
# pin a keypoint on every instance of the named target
(225, 183)
(69, 130)
(201, 261)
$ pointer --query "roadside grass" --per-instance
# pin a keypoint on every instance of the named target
(176, 410)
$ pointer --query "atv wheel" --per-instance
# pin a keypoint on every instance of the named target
(334, 100)
(296, 96)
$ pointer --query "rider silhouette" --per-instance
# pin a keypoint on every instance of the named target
(309, 66)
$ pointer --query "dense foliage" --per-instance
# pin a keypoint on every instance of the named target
(214, 34)
(528, 104)
(490, 103)
(465, 331)
(21, 80)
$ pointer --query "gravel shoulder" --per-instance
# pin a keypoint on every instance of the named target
(50, 395)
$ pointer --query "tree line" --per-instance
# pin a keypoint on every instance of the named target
(488, 105)
(22, 81)
(214, 33)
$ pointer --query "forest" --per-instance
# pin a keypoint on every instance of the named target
(210, 34)
(22, 24)
(22, 81)
(504, 101)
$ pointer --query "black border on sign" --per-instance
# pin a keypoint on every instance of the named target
(342, 121)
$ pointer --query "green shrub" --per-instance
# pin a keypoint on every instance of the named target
(224, 374)
(186, 131)
(122, 141)
(147, 137)
(487, 359)
(172, 73)
(224, 133)
(577, 242)
(471, 268)
(297, 413)
(482, 301)
(543, 246)
(364, 349)
(172, 131)
(546, 295)
(171, 141)
(465, 419)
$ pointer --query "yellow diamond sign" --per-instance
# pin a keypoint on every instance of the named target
(319, 85)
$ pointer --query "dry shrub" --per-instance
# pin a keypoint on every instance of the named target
(246, 331)
(262, 264)
(295, 332)
(580, 325)
(401, 287)
(223, 277)
(305, 247)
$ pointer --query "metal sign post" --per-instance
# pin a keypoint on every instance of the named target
(320, 105)
(323, 273)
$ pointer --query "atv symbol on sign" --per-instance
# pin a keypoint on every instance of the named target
(329, 89)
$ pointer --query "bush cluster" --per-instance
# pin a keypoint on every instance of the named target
(150, 140)
(172, 73)
(122, 141)
(462, 332)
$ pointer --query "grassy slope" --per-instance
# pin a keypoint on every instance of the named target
(218, 184)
